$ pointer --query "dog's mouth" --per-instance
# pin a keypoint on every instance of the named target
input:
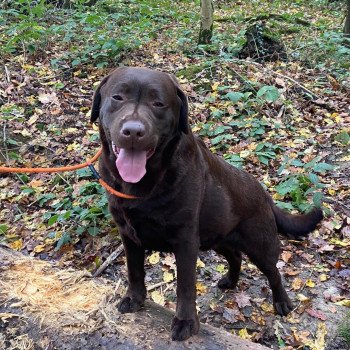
(131, 163)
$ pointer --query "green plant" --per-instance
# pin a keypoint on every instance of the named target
(298, 187)
(76, 213)
(344, 328)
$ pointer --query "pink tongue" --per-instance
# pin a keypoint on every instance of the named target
(131, 164)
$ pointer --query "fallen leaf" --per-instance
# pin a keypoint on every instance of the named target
(286, 256)
(36, 183)
(345, 302)
(267, 307)
(32, 119)
(48, 98)
(242, 299)
(168, 276)
(323, 277)
(321, 333)
(201, 288)
(157, 297)
(302, 297)
(243, 333)
(297, 283)
(39, 248)
(154, 258)
(317, 314)
(16, 245)
(200, 263)
(310, 283)
(230, 314)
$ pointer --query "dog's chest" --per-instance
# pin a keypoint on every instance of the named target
(156, 229)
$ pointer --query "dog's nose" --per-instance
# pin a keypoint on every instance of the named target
(133, 129)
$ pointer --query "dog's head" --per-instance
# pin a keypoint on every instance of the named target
(139, 109)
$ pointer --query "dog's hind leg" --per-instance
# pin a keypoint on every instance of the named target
(234, 259)
(259, 240)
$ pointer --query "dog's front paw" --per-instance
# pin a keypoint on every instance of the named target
(183, 329)
(283, 308)
(226, 283)
(128, 304)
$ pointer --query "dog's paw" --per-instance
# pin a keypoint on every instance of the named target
(283, 308)
(226, 283)
(128, 304)
(183, 329)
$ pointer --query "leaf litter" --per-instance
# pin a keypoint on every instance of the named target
(257, 116)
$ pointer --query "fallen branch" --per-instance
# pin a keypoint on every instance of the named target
(109, 260)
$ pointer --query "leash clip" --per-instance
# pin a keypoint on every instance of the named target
(96, 175)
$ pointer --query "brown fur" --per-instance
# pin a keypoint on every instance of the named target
(189, 198)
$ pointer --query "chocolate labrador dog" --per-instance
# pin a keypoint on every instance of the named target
(187, 198)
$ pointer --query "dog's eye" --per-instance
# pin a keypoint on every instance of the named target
(117, 97)
(158, 104)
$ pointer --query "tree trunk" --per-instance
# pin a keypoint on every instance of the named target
(206, 29)
(347, 20)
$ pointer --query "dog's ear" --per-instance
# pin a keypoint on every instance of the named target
(183, 120)
(96, 101)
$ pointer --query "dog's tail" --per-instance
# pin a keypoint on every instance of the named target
(296, 226)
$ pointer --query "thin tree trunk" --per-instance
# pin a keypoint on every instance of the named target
(206, 29)
(347, 20)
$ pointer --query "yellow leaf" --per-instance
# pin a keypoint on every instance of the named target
(310, 283)
(297, 283)
(215, 86)
(25, 133)
(39, 248)
(302, 297)
(267, 307)
(73, 146)
(154, 258)
(339, 242)
(323, 277)
(243, 333)
(201, 288)
(16, 245)
(345, 302)
(71, 130)
(32, 119)
(321, 333)
(157, 297)
(196, 128)
(168, 276)
(331, 191)
(200, 263)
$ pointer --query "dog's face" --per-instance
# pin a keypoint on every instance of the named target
(139, 109)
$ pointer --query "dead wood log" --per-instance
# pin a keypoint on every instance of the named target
(44, 307)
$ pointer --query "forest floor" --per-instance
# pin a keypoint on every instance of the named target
(287, 122)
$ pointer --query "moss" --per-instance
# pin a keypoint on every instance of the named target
(191, 71)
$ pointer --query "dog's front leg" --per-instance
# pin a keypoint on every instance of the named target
(136, 293)
(185, 323)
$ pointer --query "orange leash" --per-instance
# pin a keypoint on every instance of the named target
(69, 168)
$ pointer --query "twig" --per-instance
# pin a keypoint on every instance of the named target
(154, 286)
(7, 74)
(109, 260)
